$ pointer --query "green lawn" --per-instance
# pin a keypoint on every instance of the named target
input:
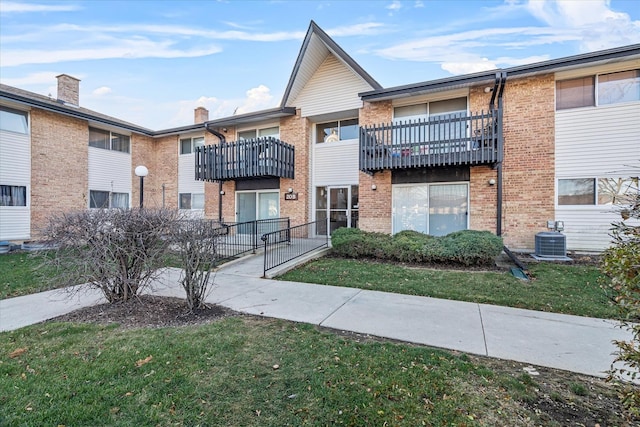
(244, 371)
(19, 275)
(569, 289)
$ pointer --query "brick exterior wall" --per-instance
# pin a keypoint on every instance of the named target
(296, 130)
(59, 166)
(160, 156)
(482, 199)
(375, 205)
(529, 159)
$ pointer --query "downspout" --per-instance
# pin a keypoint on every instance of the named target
(223, 140)
(498, 88)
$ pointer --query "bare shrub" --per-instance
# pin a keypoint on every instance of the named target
(117, 251)
(195, 244)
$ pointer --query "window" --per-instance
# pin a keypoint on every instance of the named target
(273, 132)
(575, 93)
(13, 195)
(619, 87)
(339, 130)
(580, 191)
(600, 191)
(446, 113)
(106, 200)
(13, 120)
(106, 140)
(98, 199)
(617, 190)
(189, 145)
(191, 201)
(612, 88)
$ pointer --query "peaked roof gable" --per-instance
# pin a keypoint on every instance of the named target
(315, 47)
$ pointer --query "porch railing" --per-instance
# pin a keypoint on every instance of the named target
(453, 139)
(239, 238)
(283, 246)
(251, 158)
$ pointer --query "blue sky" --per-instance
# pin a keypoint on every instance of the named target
(153, 62)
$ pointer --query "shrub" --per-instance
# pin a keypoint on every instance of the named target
(466, 247)
(621, 264)
(115, 250)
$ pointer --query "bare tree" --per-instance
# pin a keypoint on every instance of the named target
(117, 251)
(195, 243)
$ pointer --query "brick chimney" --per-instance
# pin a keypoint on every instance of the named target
(200, 115)
(68, 89)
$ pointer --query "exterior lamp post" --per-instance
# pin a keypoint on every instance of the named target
(141, 171)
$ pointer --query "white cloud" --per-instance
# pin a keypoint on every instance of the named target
(395, 5)
(41, 78)
(103, 90)
(257, 98)
(592, 28)
(16, 7)
(368, 29)
(418, 4)
(130, 48)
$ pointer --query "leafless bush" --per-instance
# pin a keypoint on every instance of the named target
(195, 244)
(117, 251)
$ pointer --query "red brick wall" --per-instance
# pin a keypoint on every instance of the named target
(296, 130)
(59, 166)
(529, 159)
(160, 156)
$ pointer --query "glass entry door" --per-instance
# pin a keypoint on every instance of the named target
(436, 209)
(338, 206)
(254, 205)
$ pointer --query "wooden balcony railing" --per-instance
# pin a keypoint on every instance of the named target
(251, 158)
(455, 139)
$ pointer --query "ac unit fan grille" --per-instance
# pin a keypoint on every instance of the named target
(550, 244)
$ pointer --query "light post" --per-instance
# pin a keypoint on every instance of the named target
(141, 171)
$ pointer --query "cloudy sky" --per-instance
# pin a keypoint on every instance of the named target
(153, 62)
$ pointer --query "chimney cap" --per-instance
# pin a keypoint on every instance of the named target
(67, 75)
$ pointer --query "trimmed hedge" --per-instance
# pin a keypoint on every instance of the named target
(466, 247)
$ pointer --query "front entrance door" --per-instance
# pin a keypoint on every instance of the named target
(337, 205)
(435, 209)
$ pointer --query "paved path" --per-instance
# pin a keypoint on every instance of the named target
(572, 343)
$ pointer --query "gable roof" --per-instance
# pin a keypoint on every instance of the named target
(315, 48)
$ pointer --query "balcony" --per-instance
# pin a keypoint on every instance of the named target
(445, 140)
(252, 158)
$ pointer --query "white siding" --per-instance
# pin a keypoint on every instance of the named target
(595, 142)
(333, 87)
(335, 163)
(109, 171)
(186, 173)
(15, 169)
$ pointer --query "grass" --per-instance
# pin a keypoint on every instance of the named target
(568, 289)
(245, 371)
(20, 275)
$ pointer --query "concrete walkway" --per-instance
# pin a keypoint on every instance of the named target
(572, 343)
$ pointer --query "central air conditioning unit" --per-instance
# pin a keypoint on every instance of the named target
(551, 244)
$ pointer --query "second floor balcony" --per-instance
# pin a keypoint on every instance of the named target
(251, 158)
(445, 140)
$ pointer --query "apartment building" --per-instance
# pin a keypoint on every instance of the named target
(505, 150)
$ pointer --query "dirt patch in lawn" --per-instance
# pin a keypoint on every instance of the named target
(147, 311)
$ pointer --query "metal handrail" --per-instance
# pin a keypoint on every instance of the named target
(283, 246)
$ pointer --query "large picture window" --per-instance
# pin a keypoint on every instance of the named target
(13, 195)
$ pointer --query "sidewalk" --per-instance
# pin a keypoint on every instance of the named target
(571, 343)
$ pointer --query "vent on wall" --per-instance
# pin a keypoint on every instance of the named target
(550, 244)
